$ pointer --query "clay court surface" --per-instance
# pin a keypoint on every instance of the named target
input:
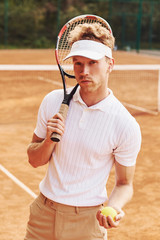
(20, 97)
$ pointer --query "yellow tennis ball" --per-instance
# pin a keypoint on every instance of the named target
(109, 211)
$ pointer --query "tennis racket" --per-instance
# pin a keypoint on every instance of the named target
(66, 67)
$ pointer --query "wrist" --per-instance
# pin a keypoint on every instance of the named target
(117, 208)
(48, 141)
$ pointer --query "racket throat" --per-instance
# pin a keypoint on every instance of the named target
(68, 97)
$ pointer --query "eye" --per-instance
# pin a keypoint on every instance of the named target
(77, 64)
(93, 62)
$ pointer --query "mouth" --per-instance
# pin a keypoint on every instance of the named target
(85, 81)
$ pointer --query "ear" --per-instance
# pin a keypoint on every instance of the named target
(111, 65)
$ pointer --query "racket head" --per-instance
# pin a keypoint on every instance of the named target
(63, 47)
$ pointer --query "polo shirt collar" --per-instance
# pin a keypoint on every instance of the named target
(102, 105)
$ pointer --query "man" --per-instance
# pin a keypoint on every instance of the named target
(97, 134)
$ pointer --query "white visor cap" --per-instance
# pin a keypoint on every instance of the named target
(89, 49)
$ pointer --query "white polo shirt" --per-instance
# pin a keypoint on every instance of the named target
(94, 138)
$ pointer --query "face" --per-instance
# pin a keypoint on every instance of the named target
(92, 75)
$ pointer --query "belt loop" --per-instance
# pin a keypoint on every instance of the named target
(44, 199)
(77, 210)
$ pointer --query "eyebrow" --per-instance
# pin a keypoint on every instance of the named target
(74, 59)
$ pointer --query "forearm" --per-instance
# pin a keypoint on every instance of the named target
(39, 153)
(120, 195)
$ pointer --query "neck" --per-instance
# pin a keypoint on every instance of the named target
(92, 98)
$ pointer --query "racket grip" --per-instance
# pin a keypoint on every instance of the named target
(55, 137)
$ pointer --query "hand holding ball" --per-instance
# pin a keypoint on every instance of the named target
(109, 211)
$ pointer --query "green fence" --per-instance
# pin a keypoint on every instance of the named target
(35, 24)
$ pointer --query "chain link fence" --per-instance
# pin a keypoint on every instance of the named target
(35, 24)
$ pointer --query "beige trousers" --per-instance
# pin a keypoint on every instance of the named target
(53, 221)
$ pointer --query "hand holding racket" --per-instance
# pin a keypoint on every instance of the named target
(66, 67)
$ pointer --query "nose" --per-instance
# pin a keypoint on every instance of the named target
(85, 69)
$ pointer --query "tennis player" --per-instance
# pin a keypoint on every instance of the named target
(98, 133)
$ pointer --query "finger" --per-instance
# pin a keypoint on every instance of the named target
(99, 218)
(120, 215)
(56, 123)
(112, 223)
(59, 116)
(105, 222)
(58, 128)
(55, 127)
(98, 214)
(56, 120)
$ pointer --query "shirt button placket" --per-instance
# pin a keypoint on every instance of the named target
(82, 122)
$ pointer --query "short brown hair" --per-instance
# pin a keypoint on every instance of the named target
(94, 31)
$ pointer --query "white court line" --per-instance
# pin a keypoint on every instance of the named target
(18, 182)
(52, 81)
(140, 108)
(20, 67)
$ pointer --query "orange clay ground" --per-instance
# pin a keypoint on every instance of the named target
(20, 99)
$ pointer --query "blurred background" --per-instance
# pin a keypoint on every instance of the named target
(36, 23)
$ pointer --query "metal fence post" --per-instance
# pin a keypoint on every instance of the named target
(5, 22)
(139, 22)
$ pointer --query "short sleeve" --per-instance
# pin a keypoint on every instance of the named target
(41, 126)
(48, 108)
(129, 144)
